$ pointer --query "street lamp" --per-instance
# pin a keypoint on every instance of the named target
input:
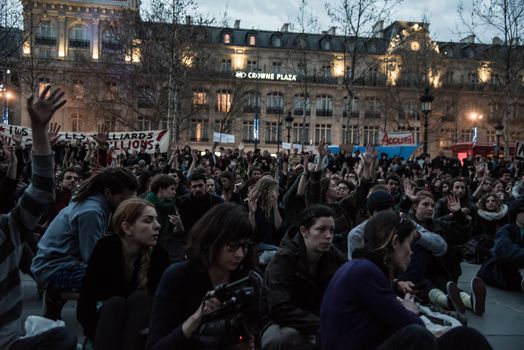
(6, 95)
(256, 126)
(289, 125)
(425, 106)
(498, 132)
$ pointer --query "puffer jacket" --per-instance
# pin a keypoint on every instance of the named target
(292, 294)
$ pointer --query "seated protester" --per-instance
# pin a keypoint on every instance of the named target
(195, 204)
(518, 188)
(227, 181)
(295, 280)
(220, 252)
(162, 194)
(436, 271)
(68, 180)
(505, 268)
(65, 248)
(325, 191)
(491, 215)
(20, 222)
(460, 191)
(499, 189)
(265, 213)
(121, 278)
(361, 311)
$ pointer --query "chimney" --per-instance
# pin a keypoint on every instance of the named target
(470, 39)
(331, 31)
(496, 41)
(188, 20)
(237, 24)
(285, 28)
(378, 28)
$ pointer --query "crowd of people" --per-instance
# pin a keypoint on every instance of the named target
(159, 246)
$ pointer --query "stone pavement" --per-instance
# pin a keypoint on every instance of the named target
(502, 323)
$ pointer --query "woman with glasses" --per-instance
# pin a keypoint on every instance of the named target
(295, 280)
(360, 309)
(219, 252)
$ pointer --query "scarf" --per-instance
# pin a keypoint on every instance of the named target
(493, 216)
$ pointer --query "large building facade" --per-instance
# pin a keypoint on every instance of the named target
(262, 86)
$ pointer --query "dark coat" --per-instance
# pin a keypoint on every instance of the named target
(501, 270)
(360, 309)
(192, 208)
(293, 294)
(105, 278)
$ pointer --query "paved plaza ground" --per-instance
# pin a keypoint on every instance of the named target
(502, 324)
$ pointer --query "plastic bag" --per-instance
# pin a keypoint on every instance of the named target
(35, 325)
(436, 322)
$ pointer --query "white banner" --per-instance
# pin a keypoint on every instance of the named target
(286, 145)
(131, 140)
(223, 138)
(397, 138)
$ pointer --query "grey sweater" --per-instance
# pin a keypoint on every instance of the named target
(15, 227)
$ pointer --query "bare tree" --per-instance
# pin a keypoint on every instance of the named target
(505, 18)
(360, 22)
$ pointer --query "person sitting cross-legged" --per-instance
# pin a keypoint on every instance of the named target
(295, 280)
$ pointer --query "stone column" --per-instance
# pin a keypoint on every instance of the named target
(95, 39)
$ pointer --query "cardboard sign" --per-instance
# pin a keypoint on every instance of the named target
(223, 138)
(286, 145)
(519, 150)
(119, 141)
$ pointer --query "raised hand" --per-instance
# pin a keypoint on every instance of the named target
(54, 128)
(102, 135)
(241, 146)
(453, 204)
(409, 190)
(370, 155)
(43, 108)
(17, 138)
(322, 148)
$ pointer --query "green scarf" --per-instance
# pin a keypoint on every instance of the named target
(163, 209)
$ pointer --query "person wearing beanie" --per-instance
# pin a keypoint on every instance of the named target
(505, 268)
(376, 202)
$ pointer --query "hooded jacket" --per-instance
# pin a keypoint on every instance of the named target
(293, 294)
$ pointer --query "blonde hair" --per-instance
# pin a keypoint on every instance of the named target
(263, 192)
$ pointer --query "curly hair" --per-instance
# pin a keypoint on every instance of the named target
(264, 193)
(481, 203)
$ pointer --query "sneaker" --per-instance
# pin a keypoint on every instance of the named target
(478, 296)
(454, 297)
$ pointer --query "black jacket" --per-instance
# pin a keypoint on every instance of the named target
(293, 294)
(105, 278)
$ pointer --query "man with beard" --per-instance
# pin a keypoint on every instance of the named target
(195, 204)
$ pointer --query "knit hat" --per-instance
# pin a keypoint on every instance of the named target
(380, 200)
(517, 206)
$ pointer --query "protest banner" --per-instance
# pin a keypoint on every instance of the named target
(119, 141)
(396, 138)
(223, 138)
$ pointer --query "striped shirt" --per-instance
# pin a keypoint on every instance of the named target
(15, 227)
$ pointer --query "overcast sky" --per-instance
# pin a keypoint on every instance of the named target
(271, 14)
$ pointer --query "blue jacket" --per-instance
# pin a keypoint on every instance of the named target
(71, 237)
(360, 310)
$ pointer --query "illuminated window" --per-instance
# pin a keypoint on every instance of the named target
(223, 101)
(252, 40)
(78, 89)
(199, 130)
(227, 38)
(42, 84)
(199, 98)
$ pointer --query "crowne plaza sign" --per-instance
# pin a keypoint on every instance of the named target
(265, 76)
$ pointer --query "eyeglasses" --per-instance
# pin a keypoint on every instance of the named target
(232, 246)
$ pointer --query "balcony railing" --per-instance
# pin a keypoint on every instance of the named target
(250, 109)
(371, 115)
(324, 112)
(300, 111)
(79, 44)
(274, 110)
(355, 114)
(45, 40)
